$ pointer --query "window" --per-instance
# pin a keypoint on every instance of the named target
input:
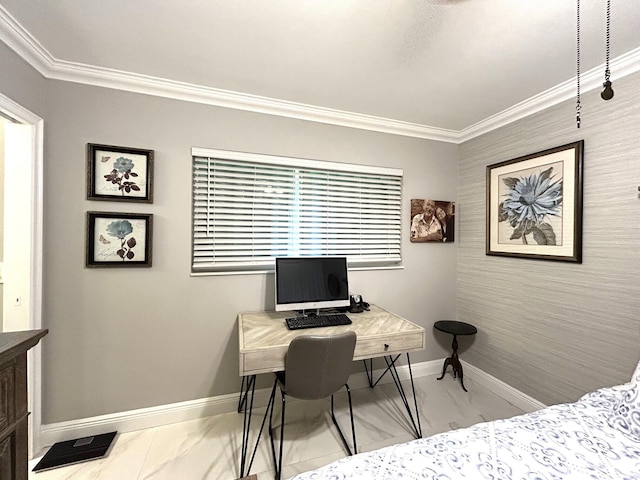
(250, 208)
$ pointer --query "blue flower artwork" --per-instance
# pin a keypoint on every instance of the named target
(116, 239)
(120, 240)
(534, 205)
(119, 173)
(120, 229)
(122, 176)
(531, 202)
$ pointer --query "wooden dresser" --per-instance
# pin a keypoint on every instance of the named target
(14, 442)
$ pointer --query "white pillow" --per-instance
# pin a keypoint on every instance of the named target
(635, 378)
(626, 414)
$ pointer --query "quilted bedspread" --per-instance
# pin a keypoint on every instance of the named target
(568, 441)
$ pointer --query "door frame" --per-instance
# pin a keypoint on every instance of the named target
(23, 116)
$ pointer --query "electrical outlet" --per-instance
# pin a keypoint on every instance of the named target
(17, 301)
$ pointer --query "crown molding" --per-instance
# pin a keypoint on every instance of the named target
(25, 45)
(620, 67)
(22, 42)
(188, 92)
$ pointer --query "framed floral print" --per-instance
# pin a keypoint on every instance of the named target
(534, 205)
(119, 173)
(119, 239)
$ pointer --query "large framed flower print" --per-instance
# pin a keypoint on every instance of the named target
(534, 205)
(119, 239)
(119, 174)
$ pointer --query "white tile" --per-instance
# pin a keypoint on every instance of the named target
(209, 448)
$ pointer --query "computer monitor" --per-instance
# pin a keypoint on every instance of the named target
(311, 283)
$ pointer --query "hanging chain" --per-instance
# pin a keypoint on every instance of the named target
(607, 73)
(607, 92)
(578, 106)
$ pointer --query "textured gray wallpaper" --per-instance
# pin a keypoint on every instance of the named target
(555, 330)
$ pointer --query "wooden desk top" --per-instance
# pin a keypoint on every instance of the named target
(264, 337)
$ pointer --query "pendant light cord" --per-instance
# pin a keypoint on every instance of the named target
(607, 73)
(607, 91)
(578, 106)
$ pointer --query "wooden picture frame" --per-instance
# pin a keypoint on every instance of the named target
(119, 174)
(118, 239)
(534, 205)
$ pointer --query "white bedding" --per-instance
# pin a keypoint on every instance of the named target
(570, 441)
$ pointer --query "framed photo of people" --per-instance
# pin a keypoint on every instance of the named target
(432, 221)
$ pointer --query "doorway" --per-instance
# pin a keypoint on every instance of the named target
(22, 245)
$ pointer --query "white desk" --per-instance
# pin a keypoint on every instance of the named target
(263, 339)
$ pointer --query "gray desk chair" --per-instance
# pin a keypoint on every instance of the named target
(316, 366)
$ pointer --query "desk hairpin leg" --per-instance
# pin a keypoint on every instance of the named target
(391, 367)
(248, 410)
(247, 390)
(246, 400)
(242, 398)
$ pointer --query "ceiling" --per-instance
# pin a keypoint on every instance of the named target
(426, 66)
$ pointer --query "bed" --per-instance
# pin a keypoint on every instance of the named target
(597, 437)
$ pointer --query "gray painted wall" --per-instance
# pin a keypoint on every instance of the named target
(122, 339)
(556, 330)
(21, 83)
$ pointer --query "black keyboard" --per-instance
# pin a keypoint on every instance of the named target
(318, 321)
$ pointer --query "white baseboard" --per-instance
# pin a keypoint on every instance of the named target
(503, 390)
(142, 418)
(192, 409)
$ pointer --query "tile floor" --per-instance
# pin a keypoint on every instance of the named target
(208, 448)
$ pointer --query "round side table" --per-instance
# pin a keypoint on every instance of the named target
(454, 328)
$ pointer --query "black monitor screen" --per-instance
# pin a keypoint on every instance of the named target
(311, 282)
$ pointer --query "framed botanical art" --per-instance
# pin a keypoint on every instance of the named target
(119, 173)
(119, 239)
(534, 205)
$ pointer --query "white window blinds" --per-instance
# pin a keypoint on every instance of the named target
(250, 208)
